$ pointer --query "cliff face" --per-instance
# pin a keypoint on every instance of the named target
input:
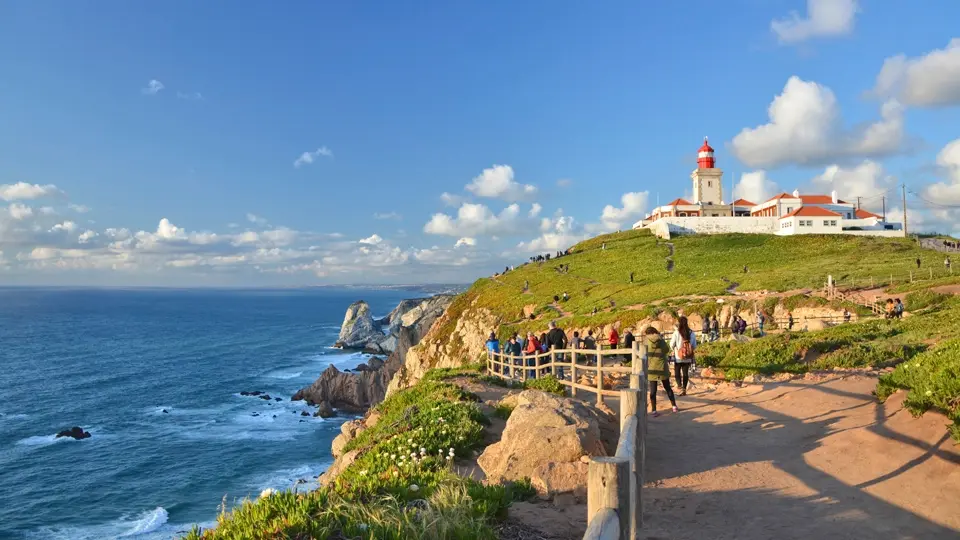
(360, 331)
(358, 390)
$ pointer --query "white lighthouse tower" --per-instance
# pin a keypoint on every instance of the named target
(707, 178)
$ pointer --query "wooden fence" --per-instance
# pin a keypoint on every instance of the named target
(599, 371)
(614, 484)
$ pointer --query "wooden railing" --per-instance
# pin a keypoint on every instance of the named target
(614, 484)
(584, 364)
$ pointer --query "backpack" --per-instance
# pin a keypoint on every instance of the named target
(686, 350)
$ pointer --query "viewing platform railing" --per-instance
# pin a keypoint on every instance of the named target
(614, 484)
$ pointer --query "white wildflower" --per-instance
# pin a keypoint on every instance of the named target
(395, 473)
(929, 392)
(363, 526)
(393, 456)
(414, 488)
(268, 492)
(363, 472)
(423, 450)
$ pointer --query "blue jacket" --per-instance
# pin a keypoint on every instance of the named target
(493, 345)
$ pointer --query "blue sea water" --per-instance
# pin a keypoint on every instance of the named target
(112, 361)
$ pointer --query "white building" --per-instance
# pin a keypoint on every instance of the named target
(784, 214)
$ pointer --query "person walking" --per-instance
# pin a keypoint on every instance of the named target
(531, 350)
(515, 348)
(493, 350)
(683, 344)
(657, 371)
(946, 263)
(789, 321)
(918, 263)
(556, 340)
(589, 342)
(714, 328)
(614, 339)
(898, 309)
(705, 329)
(761, 318)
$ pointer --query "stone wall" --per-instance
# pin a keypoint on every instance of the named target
(666, 227)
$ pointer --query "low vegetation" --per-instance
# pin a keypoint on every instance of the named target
(400, 486)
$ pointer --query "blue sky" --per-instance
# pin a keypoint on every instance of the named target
(155, 144)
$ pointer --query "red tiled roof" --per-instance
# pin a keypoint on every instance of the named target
(742, 202)
(816, 199)
(679, 202)
(812, 211)
(781, 196)
(863, 214)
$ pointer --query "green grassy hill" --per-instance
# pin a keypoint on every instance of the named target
(708, 266)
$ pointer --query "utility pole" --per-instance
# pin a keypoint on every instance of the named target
(884, 208)
(858, 202)
(904, 188)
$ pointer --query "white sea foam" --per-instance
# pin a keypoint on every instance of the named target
(8, 416)
(44, 440)
(284, 375)
(150, 525)
(303, 478)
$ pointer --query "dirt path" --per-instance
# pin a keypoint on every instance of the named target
(802, 459)
(670, 257)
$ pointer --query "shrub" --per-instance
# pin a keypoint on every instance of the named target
(921, 299)
(548, 384)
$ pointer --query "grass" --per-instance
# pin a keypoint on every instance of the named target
(933, 382)
(401, 484)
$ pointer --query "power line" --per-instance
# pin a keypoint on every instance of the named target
(931, 203)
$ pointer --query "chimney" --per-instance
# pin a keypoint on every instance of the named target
(796, 193)
(833, 196)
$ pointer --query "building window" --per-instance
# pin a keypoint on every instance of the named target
(789, 209)
(803, 223)
(809, 223)
(833, 223)
(826, 223)
(848, 215)
(709, 184)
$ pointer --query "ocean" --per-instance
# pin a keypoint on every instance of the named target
(112, 361)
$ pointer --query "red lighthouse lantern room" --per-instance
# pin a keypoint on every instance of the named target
(705, 156)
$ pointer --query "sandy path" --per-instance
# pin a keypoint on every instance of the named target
(804, 459)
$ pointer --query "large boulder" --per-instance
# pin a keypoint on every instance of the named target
(76, 432)
(544, 438)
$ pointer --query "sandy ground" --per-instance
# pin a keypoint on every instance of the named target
(810, 459)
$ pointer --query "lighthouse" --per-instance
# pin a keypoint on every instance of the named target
(707, 178)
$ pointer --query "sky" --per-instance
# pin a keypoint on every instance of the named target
(238, 143)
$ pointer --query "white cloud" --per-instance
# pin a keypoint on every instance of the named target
(867, 180)
(535, 210)
(23, 191)
(755, 187)
(475, 220)
(465, 241)
(564, 182)
(947, 193)
(825, 18)
(86, 236)
(78, 208)
(66, 226)
(253, 218)
(193, 96)
(307, 158)
(559, 233)
(806, 128)
(153, 87)
(634, 207)
(932, 80)
(497, 183)
(372, 240)
(450, 199)
(19, 211)
(387, 215)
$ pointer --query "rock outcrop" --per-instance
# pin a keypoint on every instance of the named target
(76, 432)
(366, 386)
(360, 331)
(544, 440)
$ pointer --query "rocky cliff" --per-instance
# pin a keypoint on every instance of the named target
(364, 387)
(360, 331)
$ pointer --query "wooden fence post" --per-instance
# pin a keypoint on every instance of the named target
(911, 276)
(608, 487)
(642, 414)
(599, 380)
(631, 401)
(635, 366)
(573, 373)
(931, 273)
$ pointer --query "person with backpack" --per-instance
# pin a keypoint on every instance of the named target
(657, 371)
(898, 309)
(683, 343)
(761, 318)
(556, 340)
